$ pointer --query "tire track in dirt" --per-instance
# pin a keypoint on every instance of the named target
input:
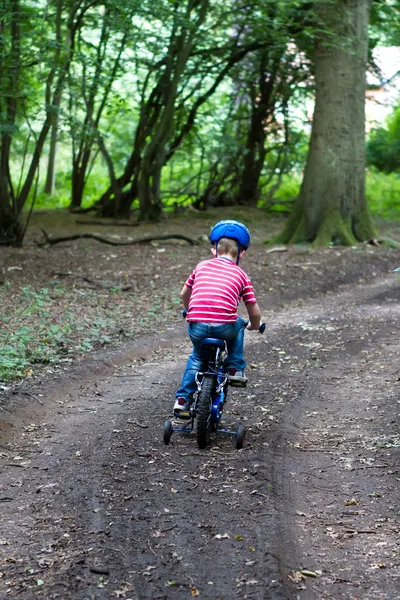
(337, 452)
(99, 508)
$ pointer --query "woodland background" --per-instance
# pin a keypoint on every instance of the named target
(117, 117)
(142, 108)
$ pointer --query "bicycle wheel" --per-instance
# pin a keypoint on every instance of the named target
(204, 404)
(240, 436)
(167, 431)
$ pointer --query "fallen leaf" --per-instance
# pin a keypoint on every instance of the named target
(157, 534)
(310, 573)
(352, 502)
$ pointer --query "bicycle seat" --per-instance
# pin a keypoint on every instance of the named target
(207, 342)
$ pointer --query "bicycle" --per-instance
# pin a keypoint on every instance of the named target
(207, 407)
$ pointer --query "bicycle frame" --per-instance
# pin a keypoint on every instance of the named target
(214, 367)
(214, 350)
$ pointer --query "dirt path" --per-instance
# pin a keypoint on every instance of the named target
(94, 506)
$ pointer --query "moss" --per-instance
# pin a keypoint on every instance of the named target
(334, 229)
(363, 227)
(294, 230)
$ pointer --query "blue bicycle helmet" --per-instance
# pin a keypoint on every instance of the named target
(231, 229)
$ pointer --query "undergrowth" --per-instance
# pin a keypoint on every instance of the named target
(383, 195)
(382, 191)
(32, 333)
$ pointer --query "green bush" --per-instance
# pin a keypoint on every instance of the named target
(383, 146)
(283, 196)
(383, 194)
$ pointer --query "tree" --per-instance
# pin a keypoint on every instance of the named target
(189, 65)
(247, 146)
(331, 206)
(32, 47)
(92, 77)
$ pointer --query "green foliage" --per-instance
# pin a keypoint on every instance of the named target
(28, 343)
(385, 23)
(283, 195)
(33, 336)
(383, 195)
(383, 147)
(119, 68)
(96, 183)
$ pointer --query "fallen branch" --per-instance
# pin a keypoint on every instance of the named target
(107, 223)
(92, 236)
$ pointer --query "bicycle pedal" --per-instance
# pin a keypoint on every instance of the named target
(182, 414)
(238, 383)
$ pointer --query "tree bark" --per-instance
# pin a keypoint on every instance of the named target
(331, 206)
(51, 164)
(263, 105)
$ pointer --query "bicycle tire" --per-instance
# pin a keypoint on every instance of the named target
(204, 404)
(167, 431)
(240, 437)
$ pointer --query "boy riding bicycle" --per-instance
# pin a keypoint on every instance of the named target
(211, 296)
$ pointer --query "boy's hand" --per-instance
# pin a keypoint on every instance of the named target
(251, 328)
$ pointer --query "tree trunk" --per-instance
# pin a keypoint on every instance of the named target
(263, 103)
(77, 187)
(331, 207)
(51, 165)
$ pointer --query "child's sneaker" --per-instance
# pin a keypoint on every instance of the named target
(236, 377)
(181, 408)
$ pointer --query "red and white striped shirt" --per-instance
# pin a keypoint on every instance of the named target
(217, 286)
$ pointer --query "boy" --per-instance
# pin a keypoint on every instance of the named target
(211, 296)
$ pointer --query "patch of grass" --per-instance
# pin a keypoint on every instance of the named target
(97, 183)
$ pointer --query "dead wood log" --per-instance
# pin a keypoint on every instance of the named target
(92, 236)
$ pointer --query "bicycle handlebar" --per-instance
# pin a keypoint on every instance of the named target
(261, 329)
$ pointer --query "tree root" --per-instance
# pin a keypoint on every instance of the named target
(107, 223)
(92, 236)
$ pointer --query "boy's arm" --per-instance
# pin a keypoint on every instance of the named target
(254, 316)
(185, 296)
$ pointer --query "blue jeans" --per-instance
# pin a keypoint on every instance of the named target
(233, 333)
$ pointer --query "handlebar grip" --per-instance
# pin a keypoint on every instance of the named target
(261, 329)
(184, 313)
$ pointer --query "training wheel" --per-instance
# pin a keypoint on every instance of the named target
(240, 435)
(167, 431)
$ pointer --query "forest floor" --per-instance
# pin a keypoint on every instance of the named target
(93, 505)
